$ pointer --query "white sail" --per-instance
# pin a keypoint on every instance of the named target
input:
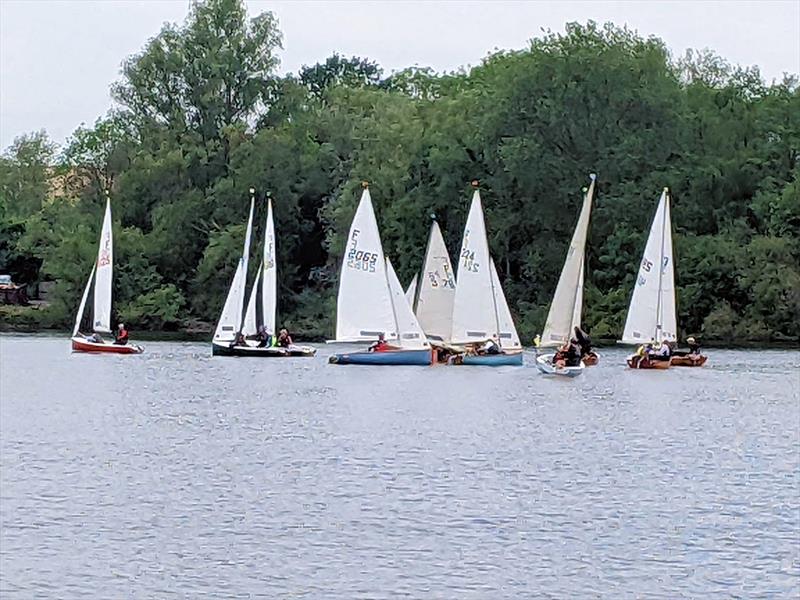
(230, 320)
(651, 315)
(83, 303)
(410, 334)
(411, 291)
(566, 308)
(104, 272)
(250, 325)
(437, 289)
(474, 313)
(364, 305)
(507, 332)
(269, 289)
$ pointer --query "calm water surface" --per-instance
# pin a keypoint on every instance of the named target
(175, 475)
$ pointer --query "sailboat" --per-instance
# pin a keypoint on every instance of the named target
(567, 305)
(436, 290)
(651, 314)
(480, 310)
(261, 307)
(371, 301)
(101, 275)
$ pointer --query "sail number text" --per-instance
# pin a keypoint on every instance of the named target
(358, 259)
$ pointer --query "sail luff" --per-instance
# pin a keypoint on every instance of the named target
(83, 302)
(566, 308)
(104, 274)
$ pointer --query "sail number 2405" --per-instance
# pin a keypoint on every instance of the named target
(359, 259)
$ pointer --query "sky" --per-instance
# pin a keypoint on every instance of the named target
(58, 58)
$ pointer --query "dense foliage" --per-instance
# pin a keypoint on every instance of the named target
(201, 117)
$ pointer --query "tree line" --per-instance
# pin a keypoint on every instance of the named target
(201, 116)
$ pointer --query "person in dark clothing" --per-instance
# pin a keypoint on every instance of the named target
(238, 340)
(264, 337)
(568, 355)
(694, 348)
(122, 335)
(583, 340)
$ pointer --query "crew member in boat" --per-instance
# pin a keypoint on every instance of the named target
(95, 338)
(121, 338)
(694, 348)
(491, 346)
(265, 338)
(568, 355)
(662, 352)
(584, 342)
(238, 340)
(284, 339)
(380, 345)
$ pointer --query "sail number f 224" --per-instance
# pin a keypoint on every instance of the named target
(358, 259)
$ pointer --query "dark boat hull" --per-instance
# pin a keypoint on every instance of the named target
(265, 352)
(391, 357)
(639, 362)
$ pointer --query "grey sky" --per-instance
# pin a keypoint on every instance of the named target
(58, 58)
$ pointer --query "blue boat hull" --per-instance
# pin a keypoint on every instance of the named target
(394, 357)
(494, 360)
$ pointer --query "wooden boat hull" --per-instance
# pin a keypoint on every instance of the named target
(638, 362)
(688, 361)
(545, 365)
(591, 359)
(513, 359)
(390, 357)
(264, 352)
(80, 344)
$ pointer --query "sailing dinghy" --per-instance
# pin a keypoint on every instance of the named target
(371, 302)
(261, 308)
(651, 314)
(101, 275)
(480, 310)
(567, 306)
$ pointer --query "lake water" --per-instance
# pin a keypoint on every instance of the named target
(175, 475)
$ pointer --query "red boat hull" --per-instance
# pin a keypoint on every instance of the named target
(82, 345)
(639, 362)
(689, 361)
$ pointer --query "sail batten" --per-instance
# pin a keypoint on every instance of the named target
(566, 308)
(652, 311)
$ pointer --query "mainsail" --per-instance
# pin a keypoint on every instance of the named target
(437, 289)
(566, 308)
(651, 315)
(479, 307)
(230, 321)
(250, 325)
(103, 274)
(409, 332)
(364, 303)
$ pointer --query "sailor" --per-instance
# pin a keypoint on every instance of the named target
(284, 339)
(121, 338)
(584, 341)
(238, 340)
(694, 347)
(380, 345)
(95, 338)
(491, 346)
(265, 338)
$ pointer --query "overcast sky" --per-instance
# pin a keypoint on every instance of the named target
(59, 58)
